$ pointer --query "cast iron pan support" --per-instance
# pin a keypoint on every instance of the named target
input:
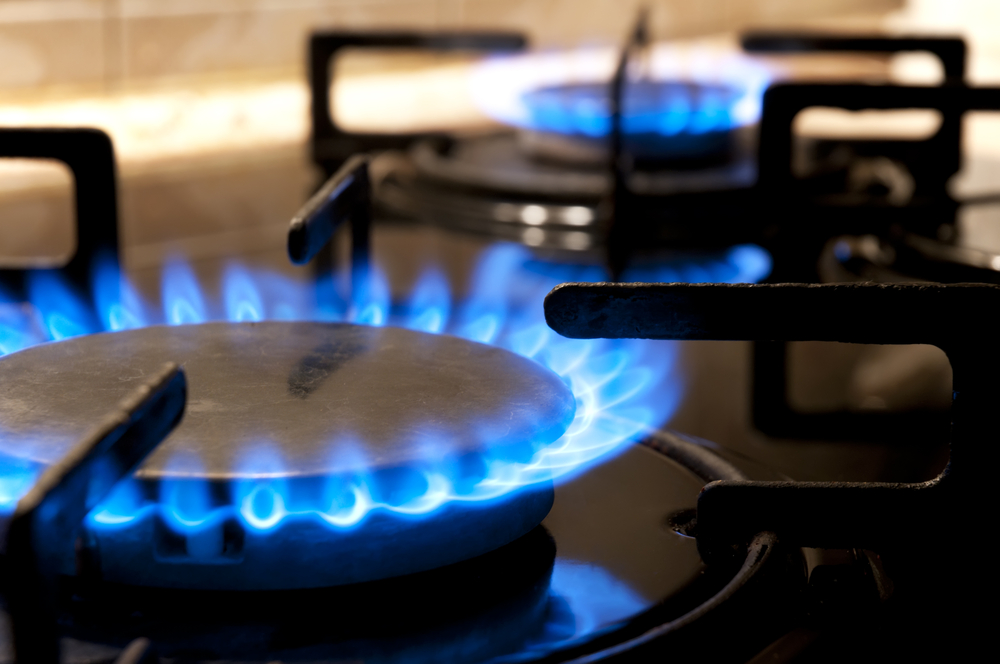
(90, 157)
(958, 318)
(346, 196)
(40, 539)
(933, 161)
(331, 145)
(621, 231)
(950, 51)
(803, 232)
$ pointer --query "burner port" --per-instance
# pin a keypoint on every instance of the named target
(682, 522)
(215, 544)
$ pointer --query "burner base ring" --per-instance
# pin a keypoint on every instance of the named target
(307, 552)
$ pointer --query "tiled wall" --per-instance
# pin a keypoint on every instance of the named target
(57, 43)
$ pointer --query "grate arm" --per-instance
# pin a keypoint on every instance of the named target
(41, 537)
(958, 318)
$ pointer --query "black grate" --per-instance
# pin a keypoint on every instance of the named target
(90, 157)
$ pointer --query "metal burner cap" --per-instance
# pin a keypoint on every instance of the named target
(292, 412)
(325, 398)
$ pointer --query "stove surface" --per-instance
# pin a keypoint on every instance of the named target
(390, 564)
(604, 564)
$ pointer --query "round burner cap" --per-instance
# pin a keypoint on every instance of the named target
(302, 398)
(309, 452)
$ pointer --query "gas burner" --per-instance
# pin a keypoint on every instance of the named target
(491, 185)
(547, 183)
(548, 188)
(243, 510)
(303, 443)
(611, 563)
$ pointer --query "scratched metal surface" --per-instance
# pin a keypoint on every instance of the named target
(326, 398)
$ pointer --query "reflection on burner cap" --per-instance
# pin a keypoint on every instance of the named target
(534, 215)
(544, 215)
(577, 241)
(577, 215)
(533, 237)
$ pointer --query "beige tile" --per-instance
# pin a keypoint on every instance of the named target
(574, 22)
(27, 11)
(45, 43)
(155, 46)
(206, 197)
(266, 39)
(767, 13)
(450, 14)
(527, 15)
(382, 14)
(51, 52)
(37, 228)
(568, 22)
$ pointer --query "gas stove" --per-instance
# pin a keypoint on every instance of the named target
(317, 470)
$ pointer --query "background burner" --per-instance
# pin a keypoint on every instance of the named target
(312, 454)
(490, 186)
(679, 123)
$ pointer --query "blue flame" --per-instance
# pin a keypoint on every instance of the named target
(622, 388)
(16, 477)
(665, 109)
(372, 305)
(483, 315)
(584, 601)
(597, 599)
(182, 300)
(17, 329)
(243, 301)
(63, 312)
(430, 305)
(692, 89)
(118, 304)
